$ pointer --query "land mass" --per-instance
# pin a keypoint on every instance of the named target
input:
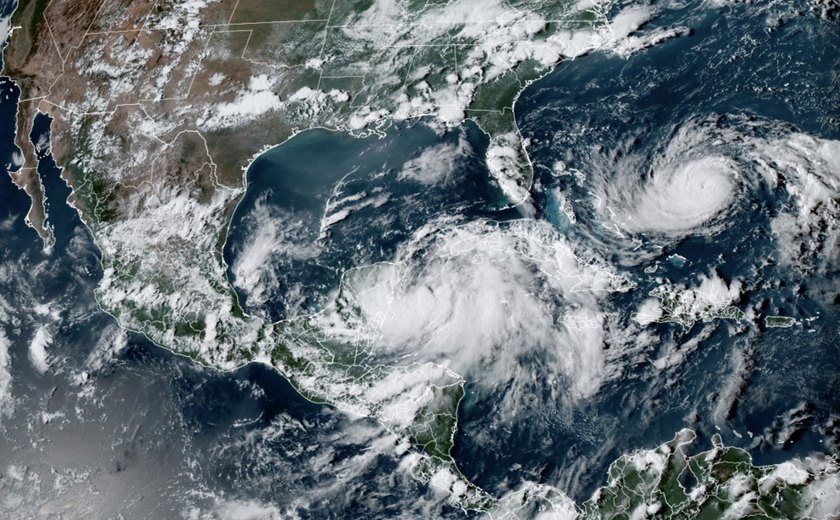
(159, 107)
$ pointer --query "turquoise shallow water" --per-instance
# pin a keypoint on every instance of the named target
(318, 174)
(159, 426)
(757, 71)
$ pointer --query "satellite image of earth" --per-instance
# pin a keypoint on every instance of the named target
(497, 259)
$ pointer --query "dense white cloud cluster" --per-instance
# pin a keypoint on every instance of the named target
(273, 236)
(6, 398)
(435, 164)
(687, 305)
(810, 230)
(682, 197)
(38, 354)
(709, 172)
(477, 298)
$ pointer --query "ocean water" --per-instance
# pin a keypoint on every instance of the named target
(296, 190)
(757, 68)
(153, 434)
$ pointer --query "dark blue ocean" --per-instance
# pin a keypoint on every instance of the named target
(117, 425)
